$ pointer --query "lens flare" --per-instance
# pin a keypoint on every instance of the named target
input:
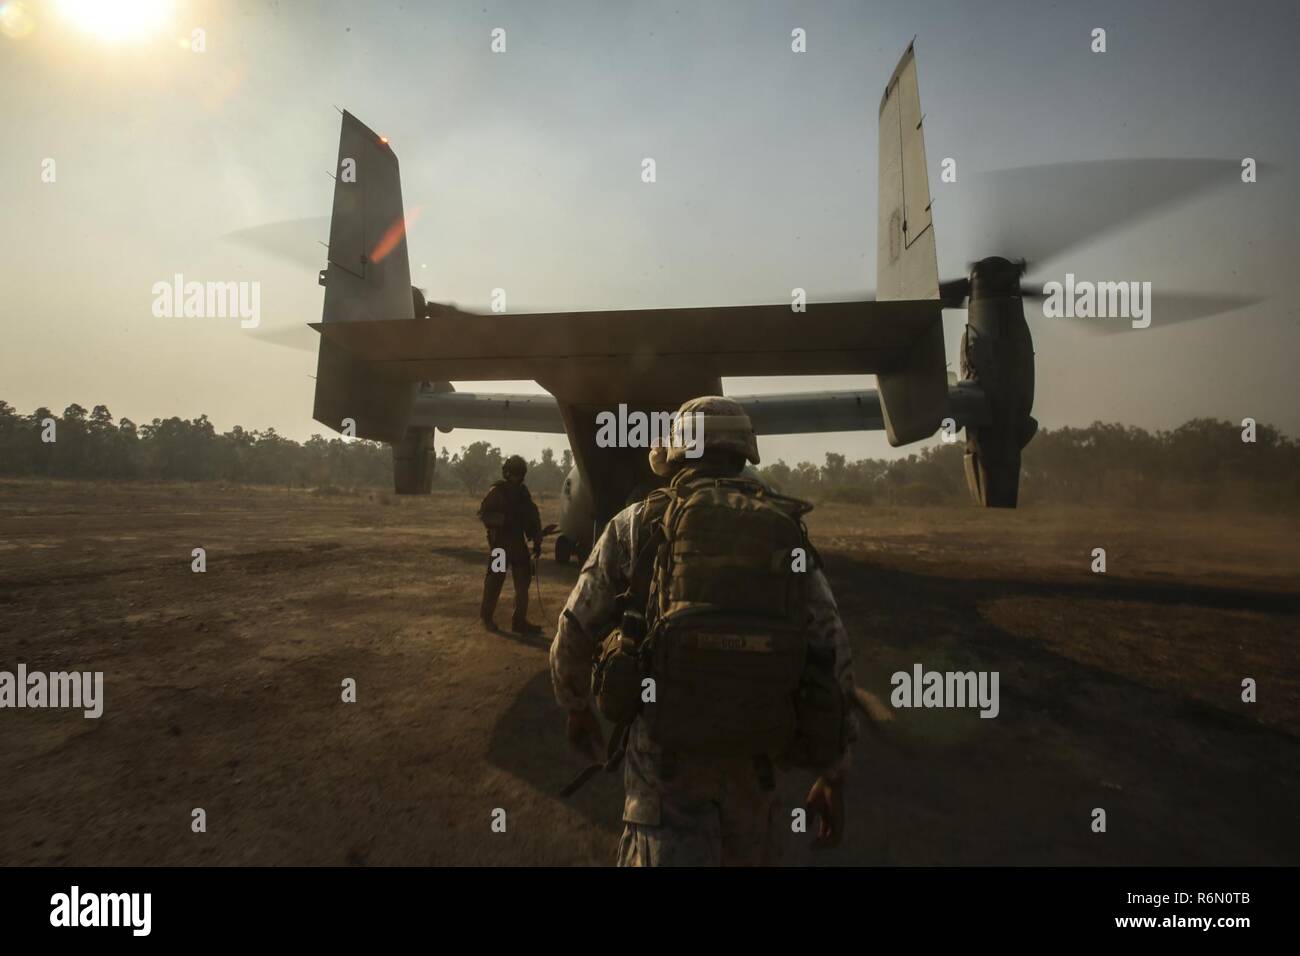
(15, 21)
(393, 235)
(117, 21)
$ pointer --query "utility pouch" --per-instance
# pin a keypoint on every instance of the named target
(618, 672)
(723, 684)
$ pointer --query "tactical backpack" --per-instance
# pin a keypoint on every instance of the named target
(716, 614)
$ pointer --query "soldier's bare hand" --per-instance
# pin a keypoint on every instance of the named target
(584, 733)
(826, 802)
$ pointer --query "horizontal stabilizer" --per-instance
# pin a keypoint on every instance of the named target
(608, 357)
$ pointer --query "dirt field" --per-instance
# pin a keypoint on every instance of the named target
(222, 690)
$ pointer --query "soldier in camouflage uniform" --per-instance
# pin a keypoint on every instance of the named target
(699, 811)
(510, 516)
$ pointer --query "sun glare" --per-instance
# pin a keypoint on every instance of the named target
(15, 21)
(116, 21)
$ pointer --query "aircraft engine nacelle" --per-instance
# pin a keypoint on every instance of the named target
(413, 462)
(997, 352)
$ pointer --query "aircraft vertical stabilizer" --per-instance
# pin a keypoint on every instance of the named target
(914, 395)
(368, 279)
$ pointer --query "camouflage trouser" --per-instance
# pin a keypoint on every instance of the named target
(707, 813)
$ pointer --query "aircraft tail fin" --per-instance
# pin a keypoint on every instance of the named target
(913, 396)
(368, 278)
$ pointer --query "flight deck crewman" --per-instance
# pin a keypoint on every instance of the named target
(510, 517)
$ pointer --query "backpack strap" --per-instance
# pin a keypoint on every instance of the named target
(637, 594)
(813, 553)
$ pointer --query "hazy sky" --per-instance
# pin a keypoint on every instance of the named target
(526, 166)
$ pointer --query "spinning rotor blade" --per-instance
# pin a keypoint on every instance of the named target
(1045, 211)
(299, 337)
(1165, 308)
(297, 241)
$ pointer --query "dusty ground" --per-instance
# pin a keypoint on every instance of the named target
(222, 690)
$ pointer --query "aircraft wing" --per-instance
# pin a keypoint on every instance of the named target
(802, 413)
(792, 413)
(492, 411)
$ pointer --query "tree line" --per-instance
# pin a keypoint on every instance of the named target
(81, 444)
(1202, 463)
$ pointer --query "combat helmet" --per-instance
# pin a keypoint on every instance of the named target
(720, 422)
(514, 465)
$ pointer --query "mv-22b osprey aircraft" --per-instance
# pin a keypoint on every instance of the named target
(387, 358)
